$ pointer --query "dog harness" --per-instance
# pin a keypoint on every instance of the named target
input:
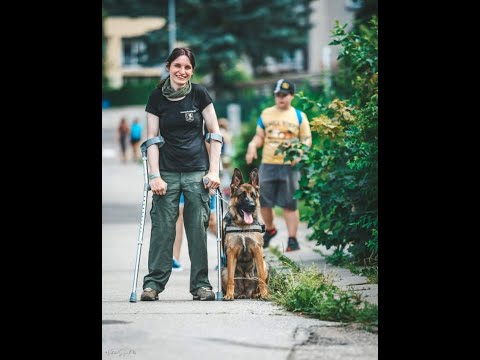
(250, 228)
(232, 228)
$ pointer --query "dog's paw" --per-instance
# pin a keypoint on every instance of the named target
(263, 295)
(228, 297)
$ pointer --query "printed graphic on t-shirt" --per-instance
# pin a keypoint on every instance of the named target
(188, 115)
(281, 130)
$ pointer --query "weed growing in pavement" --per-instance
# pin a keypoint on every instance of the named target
(308, 291)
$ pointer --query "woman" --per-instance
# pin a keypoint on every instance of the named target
(177, 110)
(123, 132)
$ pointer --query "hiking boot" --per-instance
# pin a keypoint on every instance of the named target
(292, 244)
(149, 294)
(204, 294)
(176, 266)
(269, 234)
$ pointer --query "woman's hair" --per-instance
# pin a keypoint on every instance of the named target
(179, 52)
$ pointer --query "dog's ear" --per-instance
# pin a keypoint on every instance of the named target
(254, 178)
(237, 180)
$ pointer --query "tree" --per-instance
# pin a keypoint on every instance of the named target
(220, 32)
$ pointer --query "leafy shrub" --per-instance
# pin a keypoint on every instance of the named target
(339, 171)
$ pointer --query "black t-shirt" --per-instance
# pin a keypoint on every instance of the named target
(181, 125)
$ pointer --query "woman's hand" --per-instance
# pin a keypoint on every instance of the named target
(213, 181)
(158, 186)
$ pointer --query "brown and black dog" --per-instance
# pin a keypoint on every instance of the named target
(246, 275)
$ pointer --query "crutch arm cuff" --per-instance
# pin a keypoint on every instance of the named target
(214, 136)
(155, 140)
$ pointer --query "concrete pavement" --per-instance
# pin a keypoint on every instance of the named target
(175, 327)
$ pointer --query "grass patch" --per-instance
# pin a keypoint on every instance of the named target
(308, 291)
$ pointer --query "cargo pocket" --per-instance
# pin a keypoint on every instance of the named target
(205, 196)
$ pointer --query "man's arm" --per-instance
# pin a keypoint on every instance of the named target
(256, 142)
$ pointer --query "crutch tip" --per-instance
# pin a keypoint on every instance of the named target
(133, 297)
(219, 296)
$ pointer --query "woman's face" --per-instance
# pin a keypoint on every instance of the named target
(181, 71)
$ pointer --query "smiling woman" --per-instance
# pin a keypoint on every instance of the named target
(177, 110)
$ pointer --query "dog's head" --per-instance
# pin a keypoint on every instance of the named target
(244, 198)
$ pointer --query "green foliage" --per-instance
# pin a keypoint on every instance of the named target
(339, 172)
(365, 13)
(306, 290)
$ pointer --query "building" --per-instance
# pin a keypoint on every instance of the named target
(125, 48)
(322, 57)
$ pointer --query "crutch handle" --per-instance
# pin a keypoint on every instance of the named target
(205, 182)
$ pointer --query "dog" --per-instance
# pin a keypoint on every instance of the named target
(247, 273)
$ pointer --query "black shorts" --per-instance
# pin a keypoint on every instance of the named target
(278, 184)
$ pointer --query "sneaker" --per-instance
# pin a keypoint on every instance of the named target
(176, 266)
(149, 294)
(292, 244)
(204, 294)
(269, 234)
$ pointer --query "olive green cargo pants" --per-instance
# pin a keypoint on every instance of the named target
(164, 214)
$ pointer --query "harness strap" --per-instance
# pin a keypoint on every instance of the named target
(251, 228)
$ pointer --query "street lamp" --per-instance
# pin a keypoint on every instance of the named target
(172, 26)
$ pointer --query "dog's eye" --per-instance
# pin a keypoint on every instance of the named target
(253, 196)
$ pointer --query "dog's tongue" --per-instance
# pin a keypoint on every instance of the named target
(247, 217)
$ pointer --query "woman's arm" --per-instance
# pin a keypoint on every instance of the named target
(211, 122)
(158, 186)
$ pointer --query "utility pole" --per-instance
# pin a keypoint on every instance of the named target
(172, 25)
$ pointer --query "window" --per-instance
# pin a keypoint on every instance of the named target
(134, 51)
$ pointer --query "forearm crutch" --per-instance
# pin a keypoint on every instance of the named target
(217, 137)
(219, 242)
(219, 216)
(146, 187)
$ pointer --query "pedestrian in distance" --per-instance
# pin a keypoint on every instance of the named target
(123, 132)
(135, 138)
(277, 125)
(177, 110)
